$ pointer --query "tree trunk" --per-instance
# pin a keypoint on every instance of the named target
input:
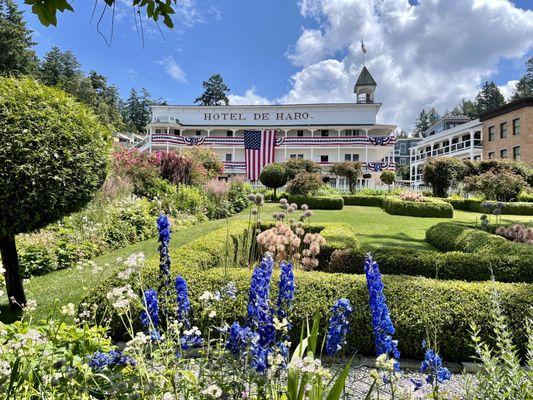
(10, 260)
(275, 197)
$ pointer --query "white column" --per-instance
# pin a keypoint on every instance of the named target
(233, 153)
(208, 132)
(168, 130)
(471, 144)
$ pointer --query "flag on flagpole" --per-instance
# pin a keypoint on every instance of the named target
(363, 48)
(258, 151)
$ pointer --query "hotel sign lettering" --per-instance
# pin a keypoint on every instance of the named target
(257, 116)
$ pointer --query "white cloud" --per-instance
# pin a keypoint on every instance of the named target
(249, 98)
(432, 54)
(508, 89)
(173, 69)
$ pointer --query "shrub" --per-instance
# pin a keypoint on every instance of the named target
(412, 196)
(238, 190)
(273, 176)
(304, 183)
(441, 173)
(450, 306)
(189, 199)
(361, 200)
(388, 178)
(341, 249)
(318, 202)
(53, 159)
(431, 208)
(501, 186)
(476, 205)
(452, 265)
(517, 233)
(207, 159)
(294, 166)
(447, 236)
(178, 169)
(526, 197)
(351, 170)
(140, 168)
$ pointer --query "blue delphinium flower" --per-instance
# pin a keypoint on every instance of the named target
(150, 315)
(338, 326)
(191, 338)
(432, 367)
(230, 291)
(240, 338)
(99, 361)
(259, 310)
(163, 225)
(381, 322)
(286, 290)
(184, 305)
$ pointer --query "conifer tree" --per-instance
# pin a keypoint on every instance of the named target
(214, 92)
(524, 87)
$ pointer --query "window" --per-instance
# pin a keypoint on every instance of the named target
(503, 130)
(292, 156)
(516, 153)
(403, 148)
(198, 133)
(503, 153)
(300, 133)
(347, 157)
(228, 156)
(296, 156)
(491, 155)
(324, 158)
(229, 133)
(491, 133)
(324, 132)
(352, 132)
(300, 156)
(176, 132)
(403, 161)
(516, 126)
(355, 157)
(158, 130)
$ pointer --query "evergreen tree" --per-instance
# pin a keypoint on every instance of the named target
(524, 87)
(214, 92)
(422, 123)
(58, 67)
(465, 107)
(433, 117)
(489, 98)
(16, 55)
(137, 111)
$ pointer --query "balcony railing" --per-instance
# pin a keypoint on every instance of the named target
(450, 149)
(236, 166)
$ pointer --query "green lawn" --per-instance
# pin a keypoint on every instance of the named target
(373, 226)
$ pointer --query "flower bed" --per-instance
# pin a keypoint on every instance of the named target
(361, 200)
(432, 208)
(318, 202)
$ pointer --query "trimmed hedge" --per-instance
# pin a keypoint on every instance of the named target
(430, 208)
(453, 265)
(474, 205)
(447, 236)
(341, 249)
(359, 200)
(448, 306)
(318, 202)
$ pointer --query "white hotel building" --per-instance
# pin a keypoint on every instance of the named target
(325, 133)
(449, 137)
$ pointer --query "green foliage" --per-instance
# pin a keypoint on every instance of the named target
(447, 236)
(387, 177)
(526, 197)
(489, 98)
(318, 202)
(361, 200)
(273, 176)
(137, 111)
(215, 92)
(16, 55)
(432, 208)
(442, 173)
(351, 170)
(190, 199)
(237, 195)
(53, 154)
(304, 183)
(524, 87)
(475, 205)
(501, 186)
(176, 168)
(293, 166)
(46, 10)
(341, 249)
(452, 265)
(207, 158)
(425, 120)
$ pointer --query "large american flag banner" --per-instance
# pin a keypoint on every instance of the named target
(258, 151)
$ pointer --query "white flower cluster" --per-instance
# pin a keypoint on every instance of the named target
(68, 310)
(121, 297)
(137, 343)
(133, 262)
(309, 365)
(212, 391)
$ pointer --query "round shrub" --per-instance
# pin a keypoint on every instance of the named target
(441, 173)
(387, 177)
(53, 159)
(273, 176)
(501, 186)
(304, 183)
(429, 209)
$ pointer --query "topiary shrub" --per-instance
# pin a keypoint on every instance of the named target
(428, 209)
(360, 200)
(53, 159)
(304, 183)
(351, 170)
(441, 173)
(273, 176)
(294, 166)
(388, 178)
(318, 202)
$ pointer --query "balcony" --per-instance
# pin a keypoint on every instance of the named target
(448, 150)
(378, 166)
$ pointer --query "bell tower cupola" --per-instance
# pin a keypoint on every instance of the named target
(365, 87)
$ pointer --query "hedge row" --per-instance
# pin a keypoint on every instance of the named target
(447, 236)
(318, 202)
(446, 307)
(359, 200)
(430, 208)
(474, 205)
(454, 265)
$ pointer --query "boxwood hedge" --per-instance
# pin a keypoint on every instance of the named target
(360, 200)
(318, 202)
(415, 303)
(475, 205)
(430, 208)
(447, 236)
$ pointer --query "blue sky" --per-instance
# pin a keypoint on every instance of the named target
(308, 50)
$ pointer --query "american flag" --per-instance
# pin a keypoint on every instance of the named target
(258, 151)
